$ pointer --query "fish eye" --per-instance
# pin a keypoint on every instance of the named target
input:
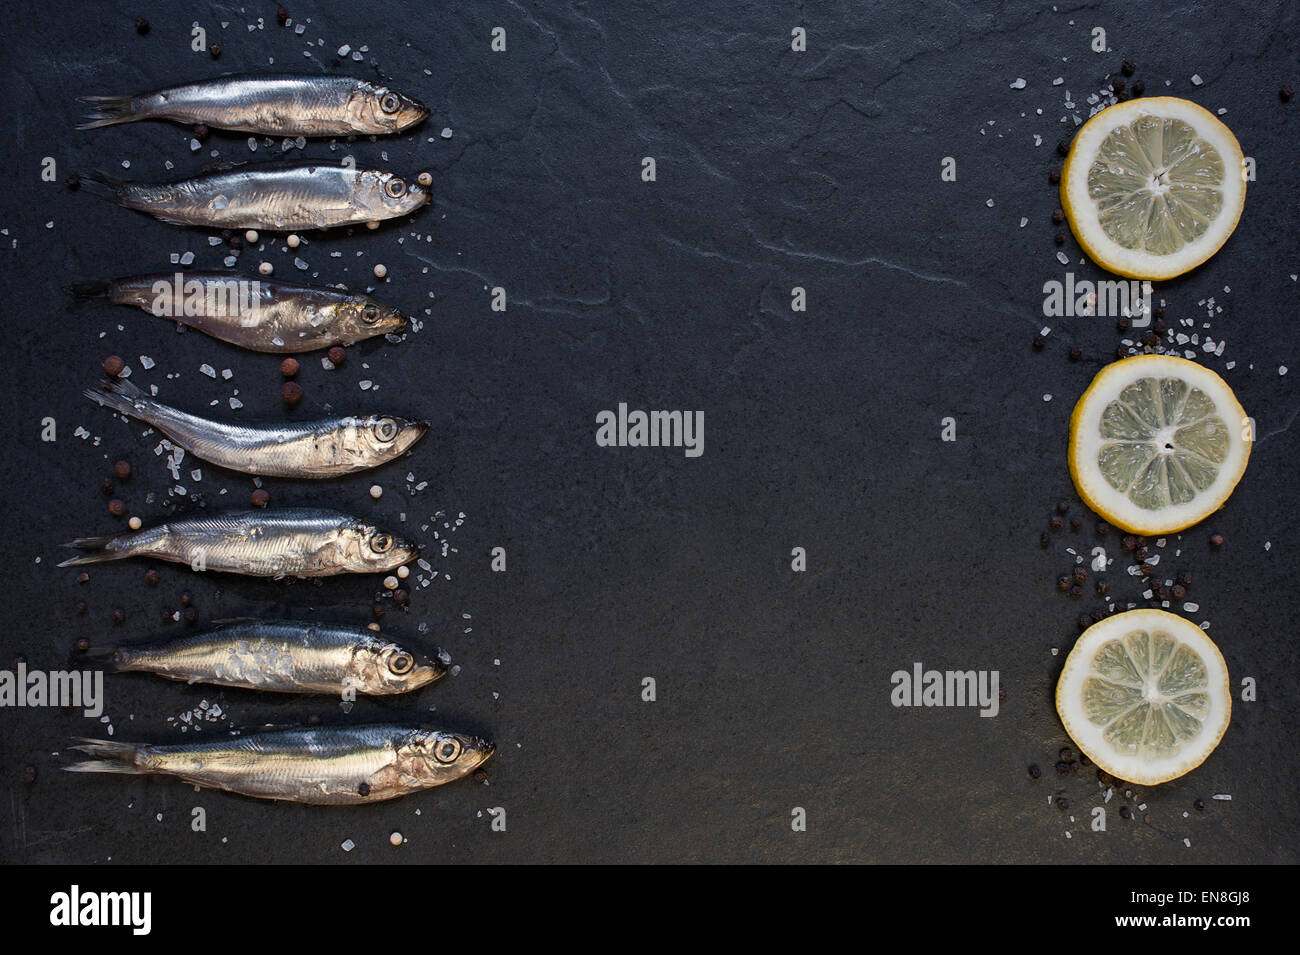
(386, 429)
(390, 102)
(395, 188)
(400, 663)
(381, 542)
(447, 751)
(370, 313)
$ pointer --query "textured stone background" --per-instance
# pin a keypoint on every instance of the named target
(775, 169)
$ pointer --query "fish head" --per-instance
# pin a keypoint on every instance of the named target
(382, 668)
(386, 195)
(386, 110)
(371, 549)
(360, 316)
(437, 756)
(387, 436)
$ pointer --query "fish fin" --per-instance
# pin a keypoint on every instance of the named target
(96, 548)
(97, 658)
(108, 111)
(119, 394)
(112, 757)
(89, 294)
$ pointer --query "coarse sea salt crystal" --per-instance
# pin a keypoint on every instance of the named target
(208, 370)
(1019, 84)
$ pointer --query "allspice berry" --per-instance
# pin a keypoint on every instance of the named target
(291, 393)
(289, 367)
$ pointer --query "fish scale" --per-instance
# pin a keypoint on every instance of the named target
(319, 765)
(313, 449)
(258, 314)
(300, 542)
(273, 104)
(294, 197)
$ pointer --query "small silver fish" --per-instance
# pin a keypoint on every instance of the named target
(274, 104)
(277, 542)
(293, 197)
(257, 314)
(325, 766)
(311, 449)
(280, 656)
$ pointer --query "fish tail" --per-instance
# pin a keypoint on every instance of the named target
(96, 551)
(108, 111)
(86, 295)
(98, 658)
(111, 757)
(118, 394)
(105, 185)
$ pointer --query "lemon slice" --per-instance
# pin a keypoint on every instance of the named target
(1157, 443)
(1145, 694)
(1153, 187)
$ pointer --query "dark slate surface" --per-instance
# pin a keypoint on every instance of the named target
(775, 169)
